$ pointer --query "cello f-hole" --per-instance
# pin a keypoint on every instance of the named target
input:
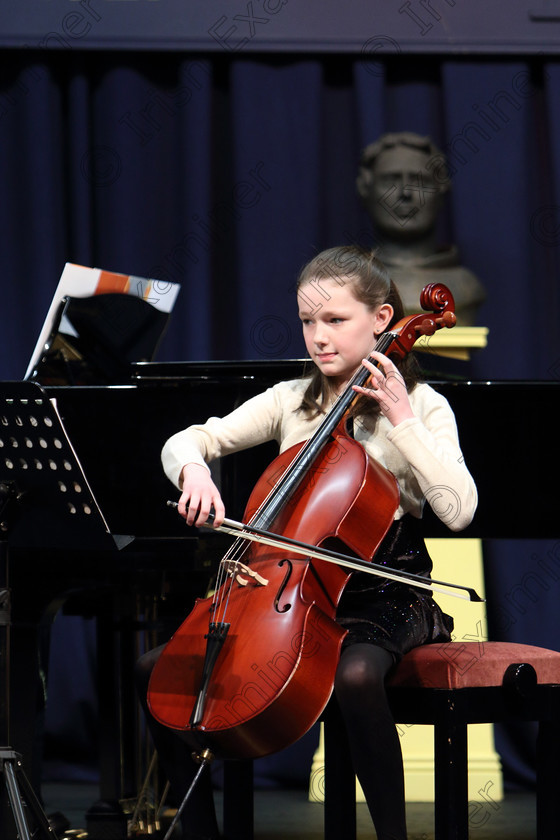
(282, 587)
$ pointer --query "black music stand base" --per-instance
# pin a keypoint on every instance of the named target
(17, 784)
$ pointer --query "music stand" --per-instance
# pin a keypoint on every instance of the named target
(45, 501)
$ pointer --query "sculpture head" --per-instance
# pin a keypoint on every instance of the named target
(402, 180)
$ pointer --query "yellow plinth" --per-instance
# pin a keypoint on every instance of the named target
(458, 560)
(455, 343)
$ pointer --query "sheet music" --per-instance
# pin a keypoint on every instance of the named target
(79, 281)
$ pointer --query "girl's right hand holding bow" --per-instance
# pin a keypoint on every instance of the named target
(199, 495)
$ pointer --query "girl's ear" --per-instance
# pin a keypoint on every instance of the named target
(383, 318)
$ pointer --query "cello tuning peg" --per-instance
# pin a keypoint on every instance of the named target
(448, 319)
(426, 327)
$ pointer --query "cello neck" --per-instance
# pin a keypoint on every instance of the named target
(303, 462)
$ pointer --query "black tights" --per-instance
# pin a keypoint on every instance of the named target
(373, 738)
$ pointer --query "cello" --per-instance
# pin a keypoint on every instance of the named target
(252, 667)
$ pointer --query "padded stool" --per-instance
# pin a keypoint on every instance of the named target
(449, 686)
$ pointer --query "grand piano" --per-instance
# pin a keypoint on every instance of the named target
(116, 431)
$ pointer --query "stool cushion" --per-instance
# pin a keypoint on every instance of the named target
(453, 665)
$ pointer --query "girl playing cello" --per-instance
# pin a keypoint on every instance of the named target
(346, 300)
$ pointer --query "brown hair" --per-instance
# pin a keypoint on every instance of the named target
(372, 285)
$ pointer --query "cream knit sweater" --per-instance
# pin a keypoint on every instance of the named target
(423, 452)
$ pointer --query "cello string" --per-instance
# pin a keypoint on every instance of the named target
(341, 403)
(225, 578)
(224, 582)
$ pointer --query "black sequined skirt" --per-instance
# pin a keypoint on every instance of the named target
(396, 616)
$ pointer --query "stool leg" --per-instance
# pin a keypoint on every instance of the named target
(340, 780)
(238, 800)
(451, 777)
(548, 779)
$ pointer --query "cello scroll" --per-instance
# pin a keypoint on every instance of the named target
(435, 298)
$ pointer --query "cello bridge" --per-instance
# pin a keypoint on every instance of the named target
(236, 570)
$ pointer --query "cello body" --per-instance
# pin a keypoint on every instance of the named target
(275, 672)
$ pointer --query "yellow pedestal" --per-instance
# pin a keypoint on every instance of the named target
(460, 561)
(455, 343)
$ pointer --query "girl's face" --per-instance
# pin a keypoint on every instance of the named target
(339, 330)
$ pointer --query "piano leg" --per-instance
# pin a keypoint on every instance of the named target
(117, 727)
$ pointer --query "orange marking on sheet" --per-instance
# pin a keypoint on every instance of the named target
(110, 283)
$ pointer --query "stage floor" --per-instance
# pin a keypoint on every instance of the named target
(282, 814)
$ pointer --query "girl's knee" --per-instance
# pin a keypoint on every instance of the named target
(363, 669)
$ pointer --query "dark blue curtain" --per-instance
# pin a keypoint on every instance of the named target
(227, 173)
